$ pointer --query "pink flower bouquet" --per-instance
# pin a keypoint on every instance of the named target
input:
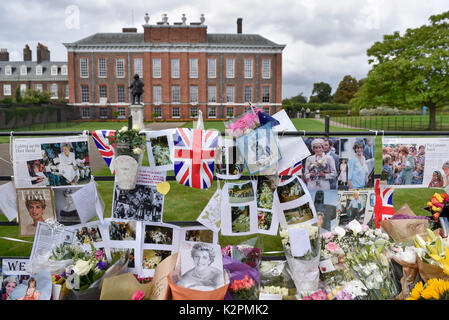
(242, 124)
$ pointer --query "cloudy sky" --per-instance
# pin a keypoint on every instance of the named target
(325, 39)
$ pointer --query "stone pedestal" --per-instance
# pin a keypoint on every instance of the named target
(136, 111)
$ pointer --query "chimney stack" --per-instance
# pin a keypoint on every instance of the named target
(43, 54)
(27, 53)
(4, 54)
(239, 25)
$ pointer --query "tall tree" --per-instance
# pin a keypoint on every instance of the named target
(346, 89)
(411, 70)
(300, 98)
(321, 93)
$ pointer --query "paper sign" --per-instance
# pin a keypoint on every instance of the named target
(88, 202)
(326, 266)
(299, 241)
(160, 289)
(8, 200)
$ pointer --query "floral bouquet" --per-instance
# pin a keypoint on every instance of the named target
(244, 289)
(305, 269)
(434, 289)
(84, 277)
(242, 124)
(128, 142)
(248, 252)
(275, 281)
(317, 295)
(371, 266)
(318, 166)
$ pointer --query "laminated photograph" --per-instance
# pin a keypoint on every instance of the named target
(198, 234)
(52, 161)
(37, 287)
(415, 162)
(90, 233)
(267, 221)
(160, 149)
(210, 217)
(228, 161)
(259, 149)
(88, 202)
(65, 208)
(325, 202)
(33, 205)
(159, 240)
(132, 260)
(144, 202)
(14, 272)
(357, 204)
(339, 163)
(292, 148)
(201, 266)
(293, 203)
(46, 240)
(8, 201)
(239, 209)
(122, 233)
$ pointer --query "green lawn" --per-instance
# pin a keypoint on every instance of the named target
(185, 204)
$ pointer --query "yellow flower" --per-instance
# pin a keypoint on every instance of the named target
(416, 292)
(430, 292)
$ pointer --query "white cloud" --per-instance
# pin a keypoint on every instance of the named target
(326, 39)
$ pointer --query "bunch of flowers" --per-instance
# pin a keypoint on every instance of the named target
(352, 290)
(243, 124)
(371, 266)
(241, 223)
(313, 237)
(264, 220)
(434, 289)
(434, 251)
(317, 295)
(132, 141)
(274, 290)
(244, 289)
(138, 295)
(247, 254)
(151, 263)
(265, 197)
(143, 280)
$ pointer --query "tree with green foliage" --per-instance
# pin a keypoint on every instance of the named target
(300, 98)
(409, 71)
(321, 93)
(346, 90)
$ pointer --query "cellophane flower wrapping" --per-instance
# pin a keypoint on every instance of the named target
(304, 270)
(242, 124)
(275, 279)
(238, 272)
(90, 283)
(248, 252)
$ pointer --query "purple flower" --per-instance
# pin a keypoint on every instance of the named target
(343, 295)
(99, 254)
(102, 265)
(63, 274)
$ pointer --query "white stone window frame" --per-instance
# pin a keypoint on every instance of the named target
(158, 110)
(138, 67)
(64, 70)
(84, 67)
(54, 90)
(121, 94)
(23, 88)
(230, 68)
(8, 70)
(157, 68)
(176, 112)
(54, 70)
(23, 70)
(211, 112)
(248, 94)
(266, 94)
(193, 112)
(194, 94)
(7, 90)
(85, 96)
(212, 94)
(103, 91)
(85, 112)
(38, 87)
(102, 68)
(175, 94)
(212, 68)
(121, 112)
(175, 74)
(120, 68)
(39, 70)
(157, 94)
(266, 68)
(229, 112)
(193, 72)
(66, 93)
(230, 94)
(248, 68)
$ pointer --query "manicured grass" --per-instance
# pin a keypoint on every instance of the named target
(185, 204)
(403, 122)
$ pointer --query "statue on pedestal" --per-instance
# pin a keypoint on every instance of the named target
(136, 89)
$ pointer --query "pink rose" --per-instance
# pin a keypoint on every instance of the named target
(99, 254)
(306, 298)
(138, 295)
(332, 247)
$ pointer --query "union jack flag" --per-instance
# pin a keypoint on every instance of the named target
(383, 207)
(292, 170)
(194, 157)
(106, 150)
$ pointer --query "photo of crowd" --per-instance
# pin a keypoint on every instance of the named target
(403, 164)
(158, 235)
(144, 203)
(86, 235)
(120, 231)
(199, 236)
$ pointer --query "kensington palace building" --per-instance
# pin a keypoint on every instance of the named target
(184, 68)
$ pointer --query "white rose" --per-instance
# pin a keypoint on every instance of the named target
(137, 150)
(123, 129)
(340, 231)
(355, 226)
(81, 267)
